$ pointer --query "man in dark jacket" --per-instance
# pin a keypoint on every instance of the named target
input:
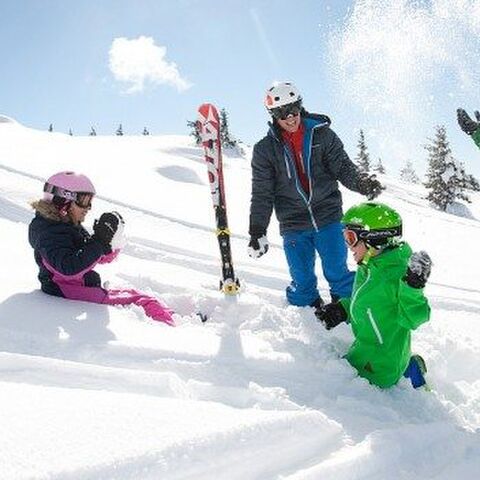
(296, 168)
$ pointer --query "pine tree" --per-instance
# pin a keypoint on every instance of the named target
(195, 131)
(408, 174)
(70, 132)
(466, 181)
(226, 138)
(379, 168)
(145, 131)
(50, 128)
(119, 131)
(93, 132)
(444, 176)
(363, 157)
(471, 183)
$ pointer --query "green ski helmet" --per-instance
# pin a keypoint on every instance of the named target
(376, 224)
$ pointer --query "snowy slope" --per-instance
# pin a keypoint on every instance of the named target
(259, 391)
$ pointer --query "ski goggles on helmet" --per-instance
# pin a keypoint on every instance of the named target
(84, 200)
(61, 196)
(374, 238)
(285, 111)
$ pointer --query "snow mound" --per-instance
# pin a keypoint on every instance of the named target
(260, 390)
(5, 119)
(180, 174)
(460, 210)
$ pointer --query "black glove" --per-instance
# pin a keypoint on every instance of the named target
(331, 315)
(105, 227)
(257, 246)
(468, 125)
(369, 186)
(418, 270)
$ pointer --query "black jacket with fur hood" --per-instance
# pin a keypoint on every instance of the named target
(67, 248)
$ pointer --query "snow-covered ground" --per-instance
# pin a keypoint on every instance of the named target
(259, 391)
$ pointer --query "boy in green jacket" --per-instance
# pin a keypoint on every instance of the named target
(468, 125)
(387, 301)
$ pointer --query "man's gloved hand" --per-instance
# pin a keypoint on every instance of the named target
(467, 124)
(331, 315)
(370, 186)
(105, 228)
(257, 246)
(418, 270)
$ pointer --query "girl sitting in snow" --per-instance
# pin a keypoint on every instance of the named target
(66, 253)
(387, 301)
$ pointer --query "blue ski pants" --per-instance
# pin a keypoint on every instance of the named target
(300, 248)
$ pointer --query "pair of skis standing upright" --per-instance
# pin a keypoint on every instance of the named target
(209, 127)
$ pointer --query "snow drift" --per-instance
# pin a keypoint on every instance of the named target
(260, 391)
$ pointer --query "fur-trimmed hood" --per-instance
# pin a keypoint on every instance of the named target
(49, 211)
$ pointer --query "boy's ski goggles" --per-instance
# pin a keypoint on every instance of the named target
(371, 237)
(283, 112)
(351, 238)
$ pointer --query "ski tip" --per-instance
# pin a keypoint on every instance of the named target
(206, 106)
(207, 111)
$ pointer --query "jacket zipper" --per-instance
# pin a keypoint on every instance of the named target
(315, 226)
(375, 326)
(369, 311)
(297, 180)
(287, 164)
(357, 292)
(308, 163)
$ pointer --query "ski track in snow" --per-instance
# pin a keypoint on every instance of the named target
(259, 391)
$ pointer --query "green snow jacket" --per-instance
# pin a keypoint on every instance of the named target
(476, 137)
(382, 311)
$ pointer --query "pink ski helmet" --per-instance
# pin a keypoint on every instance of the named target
(65, 187)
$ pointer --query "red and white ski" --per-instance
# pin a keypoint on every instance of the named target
(209, 127)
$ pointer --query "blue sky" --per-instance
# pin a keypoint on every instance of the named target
(150, 63)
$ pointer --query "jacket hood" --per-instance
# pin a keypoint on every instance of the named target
(311, 120)
(49, 211)
(319, 117)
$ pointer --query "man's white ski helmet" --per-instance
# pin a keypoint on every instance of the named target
(280, 94)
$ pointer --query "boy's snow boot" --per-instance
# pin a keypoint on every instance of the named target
(416, 371)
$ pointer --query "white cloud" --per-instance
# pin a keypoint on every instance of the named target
(138, 61)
